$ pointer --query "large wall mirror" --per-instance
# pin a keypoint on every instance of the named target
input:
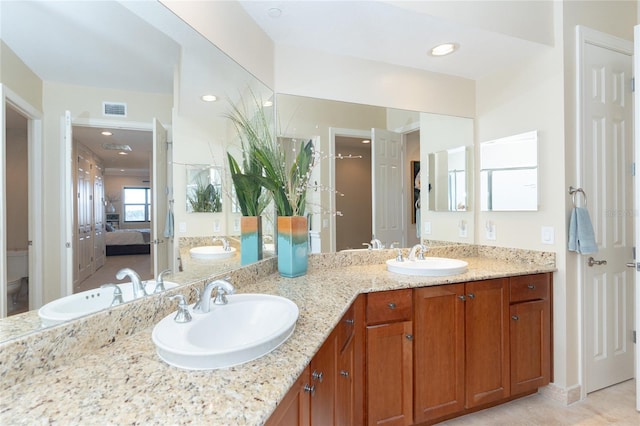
(509, 173)
(343, 203)
(98, 63)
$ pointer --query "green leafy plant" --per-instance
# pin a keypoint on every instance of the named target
(265, 165)
(205, 197)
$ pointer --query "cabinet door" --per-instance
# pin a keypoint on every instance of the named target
(293, 410)
(390, 374)
(530, 346)
(439, 351)
(345, 389)
(487, 341)
(323, 378)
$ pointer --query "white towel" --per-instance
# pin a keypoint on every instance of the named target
(581, 236)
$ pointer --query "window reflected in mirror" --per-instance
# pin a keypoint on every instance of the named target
(509, 173)
(204, 189)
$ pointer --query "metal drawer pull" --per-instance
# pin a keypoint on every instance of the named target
(344, 373)
(409, 336)
(392, 305)
(471, 296)
(350, 321)
(310, 389)
(462, 297)
(531, 287)
(515, 317)
(317, 376)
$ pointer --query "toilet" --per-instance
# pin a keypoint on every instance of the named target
(17, 272)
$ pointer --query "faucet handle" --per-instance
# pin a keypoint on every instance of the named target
(197, 307)
(399, 257)
(368, 245)
(117, 294)
(394, 244)
(182, 315)
(223, 288)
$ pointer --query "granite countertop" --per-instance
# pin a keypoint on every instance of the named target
(126, 382)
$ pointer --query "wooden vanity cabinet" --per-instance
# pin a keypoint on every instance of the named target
(389, 358)
(461, 347)
(530, 332)
(294, 408)
(327, 392)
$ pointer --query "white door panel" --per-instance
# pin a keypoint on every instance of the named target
(636, 53)
(159, 199)
(387, 154)
(607, 160)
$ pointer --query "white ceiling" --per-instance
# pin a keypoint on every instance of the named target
(102, 44)
(402, 32)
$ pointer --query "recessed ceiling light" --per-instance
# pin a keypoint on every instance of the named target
(123, 153)
(106, 133)
(116, 147)
(209, 98)
(444, 49)
(267, 103)
(274, 12)
(366, 141)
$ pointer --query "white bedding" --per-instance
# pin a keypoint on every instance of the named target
(123, 237)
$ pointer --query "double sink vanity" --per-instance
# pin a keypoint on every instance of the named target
(360, 331)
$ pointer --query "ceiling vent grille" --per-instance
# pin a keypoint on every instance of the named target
(114, 109)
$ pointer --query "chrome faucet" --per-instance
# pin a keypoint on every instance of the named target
(223, 287)
(160, 281)
(376, 244)
(136, 282)
(225, 243)
(412, 254)
(117, 294)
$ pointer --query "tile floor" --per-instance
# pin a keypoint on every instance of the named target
(615, 405)
(141, 263)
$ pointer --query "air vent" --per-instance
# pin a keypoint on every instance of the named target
(114, 109)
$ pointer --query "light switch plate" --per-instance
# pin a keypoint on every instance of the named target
(216, 226)
(182, 227)
(491, 231)
(547, 235)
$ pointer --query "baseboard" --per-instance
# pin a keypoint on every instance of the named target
(566, 396)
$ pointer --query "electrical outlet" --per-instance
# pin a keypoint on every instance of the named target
(182, 227)
(462, 229)
(426, 228)
(216, 226)
(491, 231)
(236, 225)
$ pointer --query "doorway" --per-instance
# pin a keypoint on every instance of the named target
(353, 181)
(605, 150)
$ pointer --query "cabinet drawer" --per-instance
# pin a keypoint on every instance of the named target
(529, 287)
(346, 327)
(389, 306)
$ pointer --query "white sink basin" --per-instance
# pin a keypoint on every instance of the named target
(87, 302)
(429, 267)
(248, 327)
(211, 252)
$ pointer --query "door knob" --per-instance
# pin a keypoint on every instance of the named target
(592, 262)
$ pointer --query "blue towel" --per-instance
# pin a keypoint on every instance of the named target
(168, 226)
(582, 239)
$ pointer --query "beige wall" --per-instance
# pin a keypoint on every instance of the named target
(15, 75)
(114, 186)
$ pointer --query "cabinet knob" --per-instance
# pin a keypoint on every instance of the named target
(409, 336)
(471, 296)
(531, 287)
(515, 317)
(317, 375)
(344, 373)
(310, 389)
(350, 321)
(462, 297)
(392, 305)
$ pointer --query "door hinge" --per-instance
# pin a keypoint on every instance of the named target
(634, 336)
(633, 169)
(633, 84)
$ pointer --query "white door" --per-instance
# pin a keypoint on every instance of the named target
(159, 199)
(607, 164)
(3, 207)
(66, 276)
(387, 185)
(636, 54)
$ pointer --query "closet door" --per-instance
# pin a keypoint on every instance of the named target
(99, 247)
(84, 209)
